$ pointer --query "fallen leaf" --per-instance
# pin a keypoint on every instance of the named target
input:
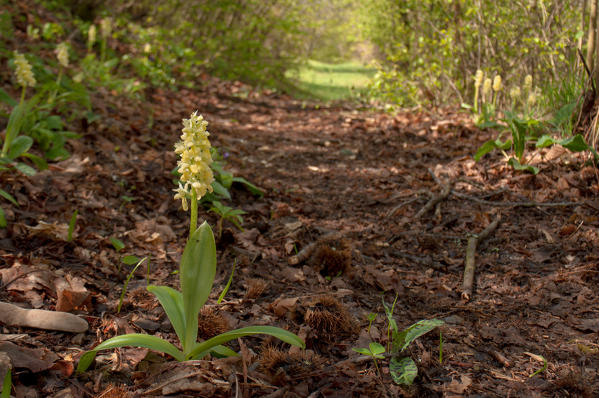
(71, 293)
(282, 306)
(460, 387)
(35, 360)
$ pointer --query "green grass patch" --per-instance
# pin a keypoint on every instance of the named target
(330, 82)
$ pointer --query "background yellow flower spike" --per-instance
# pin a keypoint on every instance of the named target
(24, 71)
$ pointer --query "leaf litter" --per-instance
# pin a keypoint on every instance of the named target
(341, 223)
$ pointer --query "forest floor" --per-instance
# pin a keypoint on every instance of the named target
(345, 189)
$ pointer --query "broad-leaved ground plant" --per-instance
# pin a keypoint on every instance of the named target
(402, 368)
(522, 127)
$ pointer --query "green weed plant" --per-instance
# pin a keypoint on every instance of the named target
(402, 368)
(522, 128)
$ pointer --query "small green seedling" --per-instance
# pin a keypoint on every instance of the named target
(228, 285)
(371, 318)
(404, 370)
(440, 347)
(391, 324)
(538, 358)
(118, 310)
(226, 213)
(117, 244)
(12, 200)
(72, 226)
(375, 351)
(127, 260)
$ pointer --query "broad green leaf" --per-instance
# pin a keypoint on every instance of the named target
(85, 361)
(226, 179)
(6, 98)
(220, 351)
(117, 244)
(564, 115)
(2, 218)
(54, 122)
(39, 162)
(15, 122)
(19, 146)
(220, 190)
(25, 169)
(522, 167)
(250, 187)
(488, 125)
(545, 141)
(376, 349)
(403, 371)
(8, 197)
(363, 351)
(197, 270)
(130, 260)
(172, 303)
(575, 144)
(57, 153)
(201, 349)
(518, 130)
(141, 340)
(490, 146)
(418, 329)
(6, 384)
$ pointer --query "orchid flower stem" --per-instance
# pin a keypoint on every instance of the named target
(54, 92)
(103, 50)
(193, 223)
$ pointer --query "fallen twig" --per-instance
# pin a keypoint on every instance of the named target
(435, 199)
(470, 255)
(514, 204)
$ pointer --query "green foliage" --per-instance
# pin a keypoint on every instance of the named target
(525, 131)
(98, 73)
(227, 213)
(117, 244)
(228, 285)
(430, 49)
(403, 369)
(371, 318)
(6, 384)
(541, 358)
(72, 223)
(197, 271)
(375, 351)
(118, 310)
(331, 81)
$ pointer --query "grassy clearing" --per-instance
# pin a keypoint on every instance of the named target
(330, 81)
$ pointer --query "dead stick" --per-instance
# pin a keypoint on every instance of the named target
(434, 200)
(515, 204)
(470, 256)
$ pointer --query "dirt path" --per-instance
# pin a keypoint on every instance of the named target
(352, 183)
